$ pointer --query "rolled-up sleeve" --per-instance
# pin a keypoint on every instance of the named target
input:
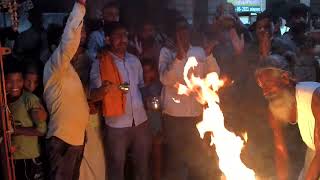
(70, 40)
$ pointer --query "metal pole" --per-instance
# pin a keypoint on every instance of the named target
(5, 126)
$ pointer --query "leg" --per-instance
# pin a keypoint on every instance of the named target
(64, 160)
(199, 158)
(116, 141)
(174, 145)
(157, 156)
(141, 150)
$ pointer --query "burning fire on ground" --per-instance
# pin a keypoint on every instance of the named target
(228, 145)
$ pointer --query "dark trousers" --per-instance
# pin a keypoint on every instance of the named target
(29, 169)
(119, 141)
(187, 155)
(64, 159)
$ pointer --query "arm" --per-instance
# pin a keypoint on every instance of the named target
(98, 89)
(168, 68)
(212, 65)
(313, 172)
(281, 154)
(38, 116)
(70, 39)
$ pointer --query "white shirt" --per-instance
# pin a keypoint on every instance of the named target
(171, 73)
(63, 91)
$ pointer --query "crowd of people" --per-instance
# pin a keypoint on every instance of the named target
(101, 102)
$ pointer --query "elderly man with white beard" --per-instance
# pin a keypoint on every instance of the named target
(294, 103)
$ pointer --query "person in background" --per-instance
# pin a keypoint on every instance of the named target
(66, 102)
(116, 80)
(185, 149)
(96, 41)
(151, 93)
(32, 79)
(145, 45)
(29, 118)
(30, 43)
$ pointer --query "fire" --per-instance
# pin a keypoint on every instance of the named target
(228, 145)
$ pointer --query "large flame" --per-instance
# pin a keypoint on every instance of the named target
(228, 145)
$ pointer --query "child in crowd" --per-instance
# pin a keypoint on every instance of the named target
(32, 79)
(29, 117)
(151, 93)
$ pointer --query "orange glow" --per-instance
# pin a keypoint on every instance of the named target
(228, 145)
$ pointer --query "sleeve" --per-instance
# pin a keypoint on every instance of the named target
(95, 78)
(140, 75)
(33, 102)
(212, 65)
(93, 46)
(70, 40)
(168, 67)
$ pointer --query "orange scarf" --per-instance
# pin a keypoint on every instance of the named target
(114, 102)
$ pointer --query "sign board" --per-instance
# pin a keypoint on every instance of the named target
(256, 6)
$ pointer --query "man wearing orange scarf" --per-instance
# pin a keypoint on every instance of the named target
(127, 128)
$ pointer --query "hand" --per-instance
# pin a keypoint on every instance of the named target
(237, 42)
(138, 45)
(105, 87)
(265, 44)
(39, 114)
(181, 53)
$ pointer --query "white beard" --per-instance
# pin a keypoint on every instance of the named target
(281, 106)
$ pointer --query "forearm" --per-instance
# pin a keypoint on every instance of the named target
(313, 172)
(27, 131)
(168, 73)
(282, 168)
(96, 95)
(70, 39)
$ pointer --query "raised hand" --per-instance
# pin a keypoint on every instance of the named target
(237, 42)
(138, 45)
(181, 53)
(265, 44)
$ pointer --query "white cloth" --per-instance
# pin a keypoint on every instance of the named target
(305, 118)
(63, 92)
(171, 73)
(93, 165)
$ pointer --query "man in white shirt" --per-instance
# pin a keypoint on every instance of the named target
(181, 112)
(66, 102)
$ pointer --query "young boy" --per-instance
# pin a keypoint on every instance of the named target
(151, 93)
(32, 78)
(29, 119)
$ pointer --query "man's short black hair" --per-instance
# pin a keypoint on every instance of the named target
(109, 28)
(299, 10)
(264, 15)
(112, 4)
(12, 65)
(150, 63)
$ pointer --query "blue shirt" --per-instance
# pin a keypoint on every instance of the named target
(95, 43)
(130, 70)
